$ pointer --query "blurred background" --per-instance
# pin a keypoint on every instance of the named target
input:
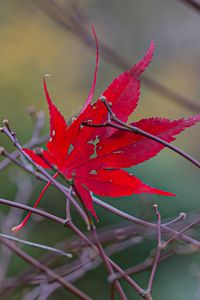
(33, 43)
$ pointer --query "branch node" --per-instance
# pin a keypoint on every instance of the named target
(144, 293)
(15, 140)
(67, 222)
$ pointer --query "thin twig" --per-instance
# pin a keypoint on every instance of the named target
(128, 217)
(33, 210)
(28, 145)
(173, 238)
(68, 208)
(109, 267)
(82, 236)
(146, 224)
(70, 224)
(24, 191)
(120, 125)
(137, 288)
(34, 262)
(24, 242)
(75, 269)
(182, 216)
(34, 141)
(158, 250)
(143, 266)
(12, 136)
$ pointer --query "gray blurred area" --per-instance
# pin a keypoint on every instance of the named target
(33, 44)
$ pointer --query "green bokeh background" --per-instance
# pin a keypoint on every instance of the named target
(32, 45)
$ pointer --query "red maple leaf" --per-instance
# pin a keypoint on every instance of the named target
(90, 158)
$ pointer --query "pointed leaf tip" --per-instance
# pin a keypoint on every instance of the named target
(141, 66)
(46, 91)
(86, 197)
(91, 93)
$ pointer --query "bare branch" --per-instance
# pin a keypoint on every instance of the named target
(71, 18)
(67, 285)
(12, 238)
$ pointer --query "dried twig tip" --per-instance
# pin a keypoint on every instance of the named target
(6, 123)
(103, 98)
(2, 149)
(183, 215)
(155, 207)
